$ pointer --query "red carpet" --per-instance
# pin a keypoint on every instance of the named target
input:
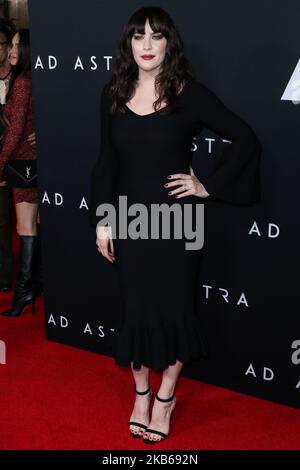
(59, 397)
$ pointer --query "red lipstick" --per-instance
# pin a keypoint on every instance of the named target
(147, 56)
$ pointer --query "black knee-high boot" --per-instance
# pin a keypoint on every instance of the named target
(24, 292)
(38, 265)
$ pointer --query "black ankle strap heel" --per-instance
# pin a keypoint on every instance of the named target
(135, 423)
(155, 431)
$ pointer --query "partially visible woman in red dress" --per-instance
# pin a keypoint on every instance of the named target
(18, 116)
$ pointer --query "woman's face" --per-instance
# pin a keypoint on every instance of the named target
(14, 51)
(150, 45)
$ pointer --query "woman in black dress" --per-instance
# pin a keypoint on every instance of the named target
(150, 111)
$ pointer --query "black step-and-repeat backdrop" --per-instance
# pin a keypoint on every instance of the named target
(247, 53)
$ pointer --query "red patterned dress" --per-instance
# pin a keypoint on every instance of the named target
(19, 112)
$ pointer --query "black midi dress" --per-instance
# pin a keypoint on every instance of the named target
(158, 276)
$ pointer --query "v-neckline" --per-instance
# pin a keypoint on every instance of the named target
(155, 112)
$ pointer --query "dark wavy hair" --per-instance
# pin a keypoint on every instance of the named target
(175, 69)
(23, 66)
(8, 28)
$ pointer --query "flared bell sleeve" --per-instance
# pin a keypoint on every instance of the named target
(236, 176)
(103, 178)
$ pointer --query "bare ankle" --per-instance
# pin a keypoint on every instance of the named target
(165, 394)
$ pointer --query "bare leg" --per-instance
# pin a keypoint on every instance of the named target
(26, 215)
(161, 412)
(140, 411)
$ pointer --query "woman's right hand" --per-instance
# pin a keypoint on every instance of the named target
(104, 242)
